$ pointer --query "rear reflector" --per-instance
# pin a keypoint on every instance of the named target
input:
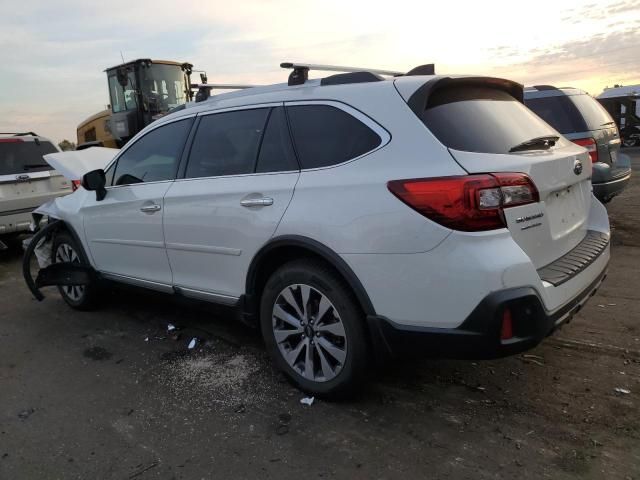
(506, 332)
(75, 184)
(469, 203)
(590, 145)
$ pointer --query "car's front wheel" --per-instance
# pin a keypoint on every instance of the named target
(313, 329)
(66, 249)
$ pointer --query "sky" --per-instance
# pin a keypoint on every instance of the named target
(53, 53)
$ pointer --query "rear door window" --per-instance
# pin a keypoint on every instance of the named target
(559, 112)
(227, 143)
(18, 156)
(324, 135)
(481, 119)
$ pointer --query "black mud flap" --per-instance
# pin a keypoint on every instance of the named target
(65, 273)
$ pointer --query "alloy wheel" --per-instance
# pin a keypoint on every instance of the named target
(309, 333)
(66, 253)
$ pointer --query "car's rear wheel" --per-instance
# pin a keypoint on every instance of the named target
(313, 328)
(66, 249)
(629, 142)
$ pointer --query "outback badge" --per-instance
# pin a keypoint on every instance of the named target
(577, 167)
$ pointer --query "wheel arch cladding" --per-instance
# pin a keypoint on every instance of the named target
(292, 247)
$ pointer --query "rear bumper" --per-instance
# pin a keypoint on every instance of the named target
(15, 221)
(610, 187)
(479, 335)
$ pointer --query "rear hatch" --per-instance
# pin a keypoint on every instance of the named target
(582, 119)
(487, 129)
(26, 180)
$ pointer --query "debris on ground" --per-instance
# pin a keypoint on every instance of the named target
(146, 339)
(535, 359)
(307, 401)
(193, 343)
(140, 469)
(624, 391)
(24, 414)
(171, 328)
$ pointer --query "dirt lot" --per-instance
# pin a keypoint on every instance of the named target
(108, 395)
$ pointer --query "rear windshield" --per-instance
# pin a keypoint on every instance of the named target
(481, 119)
(570, 114)
(18, 156)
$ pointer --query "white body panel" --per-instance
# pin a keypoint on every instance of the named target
(123, 239)
(74, 164)
(211, 238)
(441, 288)
(558, 221)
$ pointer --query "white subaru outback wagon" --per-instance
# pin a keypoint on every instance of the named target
(347, 216)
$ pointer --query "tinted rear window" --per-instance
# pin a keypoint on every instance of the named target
(325, 135)
(559, 112)
(593, 113)
(479, 119)
(24, 157)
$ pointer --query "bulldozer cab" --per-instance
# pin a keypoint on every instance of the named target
(142, 91)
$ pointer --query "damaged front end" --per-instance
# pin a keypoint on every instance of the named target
(41, 245)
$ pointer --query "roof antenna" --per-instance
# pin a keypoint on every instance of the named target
(121, 56)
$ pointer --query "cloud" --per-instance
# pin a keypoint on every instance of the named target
(609, 58)
(54, 53)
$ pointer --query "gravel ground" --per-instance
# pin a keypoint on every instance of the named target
(110, 394)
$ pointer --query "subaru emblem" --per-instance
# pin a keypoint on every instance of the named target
(577, 167)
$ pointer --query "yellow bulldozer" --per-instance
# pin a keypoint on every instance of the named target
(140, 91)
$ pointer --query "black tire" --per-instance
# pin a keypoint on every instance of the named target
(344, 309)
(84, 298)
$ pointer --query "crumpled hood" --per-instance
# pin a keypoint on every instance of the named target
(75, 163)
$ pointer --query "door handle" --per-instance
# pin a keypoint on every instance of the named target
(256, 202)
(150, 208)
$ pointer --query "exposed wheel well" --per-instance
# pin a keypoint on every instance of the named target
(283, 250)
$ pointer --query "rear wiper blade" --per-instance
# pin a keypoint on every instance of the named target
(544, 142)
(30, 166)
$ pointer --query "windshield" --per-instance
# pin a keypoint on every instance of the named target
(163, 87)
(18, 157)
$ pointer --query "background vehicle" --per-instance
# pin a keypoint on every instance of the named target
(140, 92)
(26, 180)
(347, 214)
(581, 119)
(623, 106)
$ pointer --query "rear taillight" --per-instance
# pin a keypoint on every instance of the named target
(469, 203)
(590, 145)
(75, 184)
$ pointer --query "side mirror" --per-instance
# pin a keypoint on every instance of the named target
(95, 180)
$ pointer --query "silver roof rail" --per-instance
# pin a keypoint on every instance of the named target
(300, 73)
(336, 68)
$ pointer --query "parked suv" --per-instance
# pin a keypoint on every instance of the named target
(347, 216)
(583, 120)
(26, 181)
